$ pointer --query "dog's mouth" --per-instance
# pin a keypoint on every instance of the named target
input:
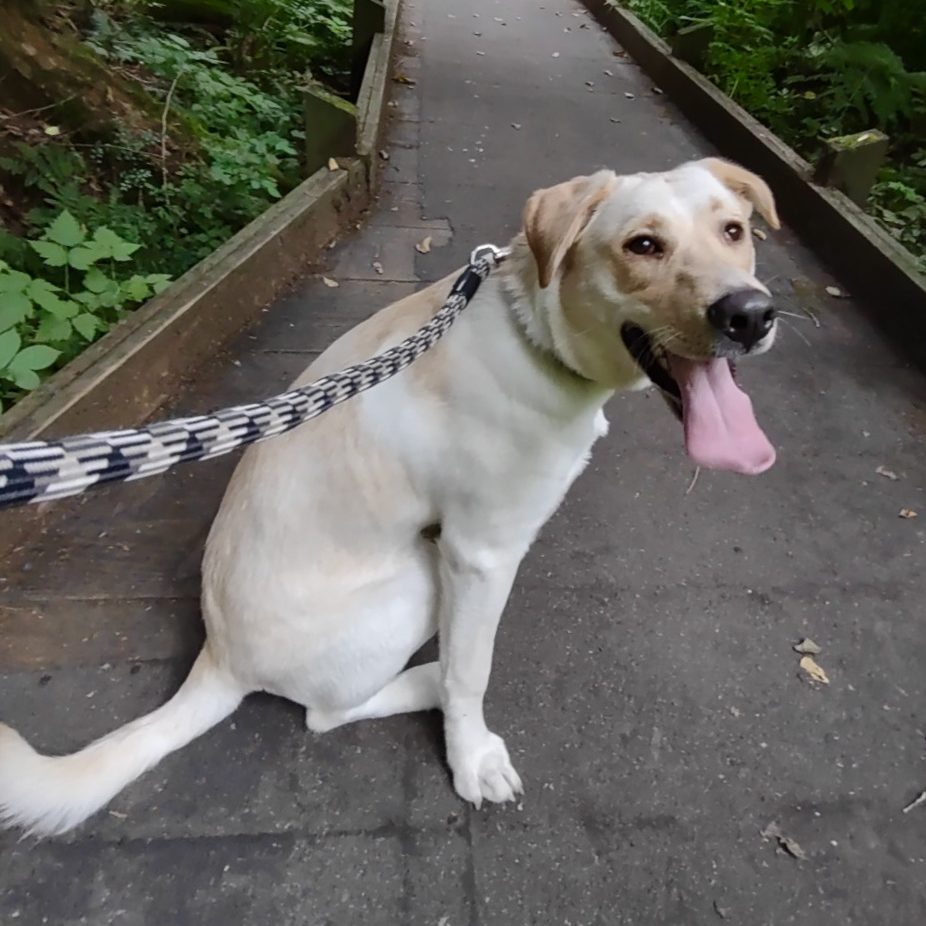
(721, 430)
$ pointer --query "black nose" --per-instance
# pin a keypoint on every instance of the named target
(745, 316)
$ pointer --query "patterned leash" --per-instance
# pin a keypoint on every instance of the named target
(38, 471)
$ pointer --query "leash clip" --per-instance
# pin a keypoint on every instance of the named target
(490, 252)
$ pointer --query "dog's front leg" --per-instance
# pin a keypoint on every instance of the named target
(475, 584)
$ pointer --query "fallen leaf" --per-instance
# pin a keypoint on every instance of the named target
(589, 83)
(377, 266)
(424, 246)
(613, 119)
(516, 125)
(52, 130)
(835, 292)
(480, 53)
(907, 513)
(607, 73)
(630, 96)
(807, 648)
(772, 831)
(887, 473)
(384, 155)
(657, 91)
(813, 670)
(333, 164)
(791, 846)
(916, 802)
(556, 54)
(404, 79)
(331, 284)
(759, 234)
(477, 34)
(722, 912)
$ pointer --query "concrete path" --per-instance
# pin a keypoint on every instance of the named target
(644, 675)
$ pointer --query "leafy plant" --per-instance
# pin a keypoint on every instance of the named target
(82, 292)
(109, 220)
(813, 69)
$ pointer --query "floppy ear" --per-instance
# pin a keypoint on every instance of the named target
(555, 217)
(746, 184)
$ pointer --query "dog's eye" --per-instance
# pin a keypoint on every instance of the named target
(645, 246)
(733, 231)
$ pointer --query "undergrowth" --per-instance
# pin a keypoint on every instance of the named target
(228, 145)
(815, 69)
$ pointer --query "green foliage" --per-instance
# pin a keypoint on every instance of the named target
(292, 34)
(82, 287)
(246, 133)
(813, 69)
(157, 201)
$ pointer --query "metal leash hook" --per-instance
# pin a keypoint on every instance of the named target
(39, 471)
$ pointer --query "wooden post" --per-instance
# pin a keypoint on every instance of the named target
(851, 163)
(369, 19)
(690, 44)
(330, 128)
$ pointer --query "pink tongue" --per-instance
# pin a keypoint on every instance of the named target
(721, 431)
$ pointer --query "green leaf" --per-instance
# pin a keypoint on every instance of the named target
(53, 329)
(62, 308)
(159, 281)
(25, 379)
(36, 357)
(13, 281)
(125, 251)
(65, 230)
(14, 308)
(86, 325)
(83, 258)
(52, 254)
(90, 300)
(9, 345)
(136, 289)
(96, 281)
(41, 292)
(113, 246)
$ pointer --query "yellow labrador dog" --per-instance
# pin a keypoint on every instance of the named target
(342, 547)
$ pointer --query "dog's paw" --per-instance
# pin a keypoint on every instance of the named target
(484, 772)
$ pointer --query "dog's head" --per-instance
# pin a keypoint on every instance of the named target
(651, 277)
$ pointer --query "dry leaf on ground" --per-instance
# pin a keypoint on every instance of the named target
(377, 266)
(887, 473)
(333, 164)
(759, 234)
(907, 513)
(809, 665)
(785, 843)
(331, 284)
(424, 246)
(807, 648)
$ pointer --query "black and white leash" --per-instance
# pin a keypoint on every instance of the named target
(38, 471)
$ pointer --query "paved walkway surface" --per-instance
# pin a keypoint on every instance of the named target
(644, 673)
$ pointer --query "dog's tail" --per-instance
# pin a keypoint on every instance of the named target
(47, 795)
